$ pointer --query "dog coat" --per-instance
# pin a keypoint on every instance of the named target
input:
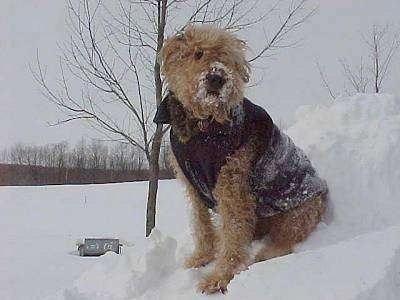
(281, 176)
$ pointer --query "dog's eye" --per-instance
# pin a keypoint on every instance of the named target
(198, 54)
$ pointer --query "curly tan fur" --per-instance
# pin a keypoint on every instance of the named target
(202, 224)
(288, 229)
(236, 207)
(228, 240)
(183, 77)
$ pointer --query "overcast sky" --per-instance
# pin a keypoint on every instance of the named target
(290, 78)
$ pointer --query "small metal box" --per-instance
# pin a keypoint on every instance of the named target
(98, 246)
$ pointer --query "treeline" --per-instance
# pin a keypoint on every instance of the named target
(86, 162)
(85, 155)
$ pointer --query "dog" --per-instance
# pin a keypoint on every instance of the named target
(245, 179)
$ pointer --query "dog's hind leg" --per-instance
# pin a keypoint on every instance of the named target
(287, 229)
(236, 207)
(270, 250)
(266, 249)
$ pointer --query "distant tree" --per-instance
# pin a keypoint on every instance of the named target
(120, 158)
(4, 156)
(60, 154)
(97, 155)
(79, 157)
(164, 155)
(382, 48)
(369, 74)
(17, 154)
(140, 163)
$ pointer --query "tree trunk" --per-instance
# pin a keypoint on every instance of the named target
(377, 71)
(153, 180)
(156, 144)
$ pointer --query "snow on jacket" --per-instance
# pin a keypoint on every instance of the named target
(281, 176)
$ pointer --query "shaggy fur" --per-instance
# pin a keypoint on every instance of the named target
(185, 69)
(186, 60)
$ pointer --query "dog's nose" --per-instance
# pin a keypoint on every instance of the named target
(215, 81)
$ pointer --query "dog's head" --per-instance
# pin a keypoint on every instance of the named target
(205, 67)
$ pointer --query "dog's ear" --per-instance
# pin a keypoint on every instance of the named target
(244, 66)
(163, 115)
(172, 49)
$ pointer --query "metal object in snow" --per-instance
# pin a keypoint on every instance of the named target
(98, 246)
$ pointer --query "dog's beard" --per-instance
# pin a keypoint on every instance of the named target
(206, 97)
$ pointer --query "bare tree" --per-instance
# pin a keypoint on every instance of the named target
(21, 154)
(79, 159)
(325, 81)
(357, 77)
(164, 155)
(382, 45)
(120, 157)
(5, 156)
(112, 58)
(60, 152)
(97, 155)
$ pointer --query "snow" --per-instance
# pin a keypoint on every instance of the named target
(354, 145)
(39, 227)
(354, 254)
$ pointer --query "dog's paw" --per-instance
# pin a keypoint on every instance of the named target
(213, 283)
(197, 260)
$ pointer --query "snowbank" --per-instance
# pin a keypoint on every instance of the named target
(355, 145)
(355, 254)
(352, 269)
(39, 227)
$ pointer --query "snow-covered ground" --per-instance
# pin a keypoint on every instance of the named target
(354, 254)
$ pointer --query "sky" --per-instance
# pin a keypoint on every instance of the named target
(289, 79)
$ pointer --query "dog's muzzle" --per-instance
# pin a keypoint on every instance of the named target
(215, 80)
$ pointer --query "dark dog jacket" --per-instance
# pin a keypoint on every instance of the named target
(281, 176)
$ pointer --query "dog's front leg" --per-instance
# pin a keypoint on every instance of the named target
(203, 232)
(202, 225)
(236, 207)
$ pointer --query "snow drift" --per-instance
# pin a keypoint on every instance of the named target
(354, 254)
(354, 144)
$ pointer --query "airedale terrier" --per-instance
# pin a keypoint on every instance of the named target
(246, 180)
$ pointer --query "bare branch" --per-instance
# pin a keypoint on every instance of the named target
(296, 16)
(382, 49)
(325, 81)
(382, 46)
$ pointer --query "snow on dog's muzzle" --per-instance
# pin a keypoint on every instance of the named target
(215, 80)
(214, 85)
